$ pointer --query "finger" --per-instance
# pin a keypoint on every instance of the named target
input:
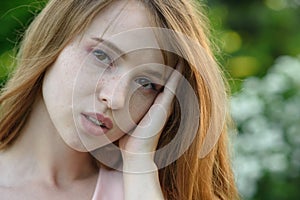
(154, 120)
(175, 77)
(169, 91)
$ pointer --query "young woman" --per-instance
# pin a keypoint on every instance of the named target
(97, 107)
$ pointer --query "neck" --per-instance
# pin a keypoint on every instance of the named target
(40, 154)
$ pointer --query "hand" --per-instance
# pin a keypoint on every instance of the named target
(142, 142)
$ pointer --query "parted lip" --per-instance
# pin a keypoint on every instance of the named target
(104, 120)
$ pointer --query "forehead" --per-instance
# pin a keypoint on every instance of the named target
(127, 24)
(130, 26)
(120, 17)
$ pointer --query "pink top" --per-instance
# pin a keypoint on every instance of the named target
(109, 186)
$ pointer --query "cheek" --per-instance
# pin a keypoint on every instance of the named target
(139, 104)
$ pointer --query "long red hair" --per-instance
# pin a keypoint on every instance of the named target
(202, 171)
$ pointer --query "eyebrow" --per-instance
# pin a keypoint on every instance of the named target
(111, 46)
(122, 54)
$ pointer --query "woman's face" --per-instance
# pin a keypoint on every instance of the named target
(104, 81)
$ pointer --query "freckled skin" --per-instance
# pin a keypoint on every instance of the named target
(91, 88)
(50, 159)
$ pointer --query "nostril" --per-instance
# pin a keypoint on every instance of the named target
(112, 91)
(105, 100)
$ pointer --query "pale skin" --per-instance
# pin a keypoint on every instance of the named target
(45, 173)
(134, 149)
(46, 162)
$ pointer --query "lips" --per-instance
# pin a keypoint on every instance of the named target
(95, 123)
(99, 119)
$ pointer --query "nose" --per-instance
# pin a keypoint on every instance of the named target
(112, 91)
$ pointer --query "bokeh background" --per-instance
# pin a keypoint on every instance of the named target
(259, 49)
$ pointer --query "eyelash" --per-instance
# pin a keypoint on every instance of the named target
(154, 87)
(99, 52)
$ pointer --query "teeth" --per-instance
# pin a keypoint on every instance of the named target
(95, 121)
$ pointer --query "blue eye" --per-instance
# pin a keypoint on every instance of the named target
(146, 84)
(102, 56)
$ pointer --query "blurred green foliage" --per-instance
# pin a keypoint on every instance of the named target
(267, 114)
(15, 16)
(251, 35)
